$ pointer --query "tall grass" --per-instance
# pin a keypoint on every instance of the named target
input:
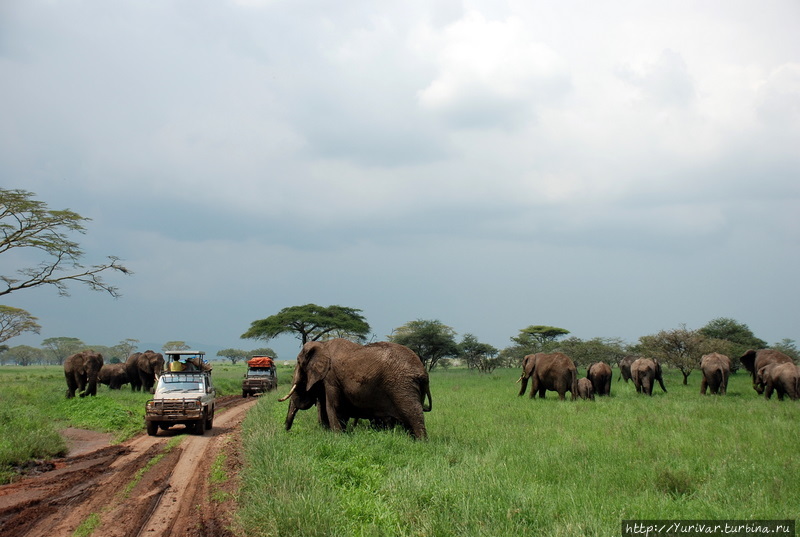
(498, 464)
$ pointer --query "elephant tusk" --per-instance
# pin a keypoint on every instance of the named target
(285, 397)
(519, 380)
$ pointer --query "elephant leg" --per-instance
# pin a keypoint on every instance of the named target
(82, 385)
(333, 416)
(534, 387)
(413, 421)
(703, 386)
(71, 385)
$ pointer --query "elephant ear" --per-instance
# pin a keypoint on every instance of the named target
(316, 364)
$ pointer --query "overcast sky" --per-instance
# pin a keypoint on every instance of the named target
(612, 168)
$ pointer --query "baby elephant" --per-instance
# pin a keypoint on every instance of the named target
(585, 389)
(783, 378)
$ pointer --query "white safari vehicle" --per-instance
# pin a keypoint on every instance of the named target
(184, 394)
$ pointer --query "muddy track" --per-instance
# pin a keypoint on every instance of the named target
(154, 486)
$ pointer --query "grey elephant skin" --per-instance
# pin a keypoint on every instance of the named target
(113, 375)
(381, 381)
(303, 394)
(555, 372)
(599, 374)
(143, 369)
(716, 369)
(753, 361)
(625, 367)
(782, 378)
(644, 371)
(585, 389)
(81, 370)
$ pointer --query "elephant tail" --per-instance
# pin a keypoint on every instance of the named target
(426, 393)
(574, 384)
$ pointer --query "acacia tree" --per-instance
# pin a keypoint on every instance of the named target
(16, 321)
(24, 355)
(431, 340)
(234, 355)
(29, 224)
(681, 348)
(175, 346)
(583, 353)
(126, 347)
(62, 347)
(477, 355)
(311, 323)
(530, 340)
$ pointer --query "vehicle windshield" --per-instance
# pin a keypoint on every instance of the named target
(180, 383)
(260, 372)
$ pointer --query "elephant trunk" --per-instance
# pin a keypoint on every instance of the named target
(524, 386)
(288, 395)
(290, 414)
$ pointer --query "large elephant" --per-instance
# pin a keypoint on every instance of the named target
(781, 377)
(753, 361)
(302, 398)
(716, 369)
(81, 370)
(625, 367)
(143, 369)
(113, 375)
(555, 372)
(599, 373)
(380, 381)
(643, 372)
(585, 389)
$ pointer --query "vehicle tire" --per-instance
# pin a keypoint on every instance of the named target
(244, 393)
(210, 421)
(152, 428)
(200, 426)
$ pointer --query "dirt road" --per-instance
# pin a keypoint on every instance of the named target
(153, 486)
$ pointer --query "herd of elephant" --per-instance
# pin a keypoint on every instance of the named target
(85, 369)
(387, 384)
(770, 369)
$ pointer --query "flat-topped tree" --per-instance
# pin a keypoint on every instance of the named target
(311, 323)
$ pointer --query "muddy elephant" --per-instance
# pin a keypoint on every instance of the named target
(81, 370)
(625, 367)
(143, 369)
(381, 381)
(555, 372)
(753, 361)
(599, 374)
(643, 372)
(781, 377)
(585, 389)
(716, 369)
(113, 375)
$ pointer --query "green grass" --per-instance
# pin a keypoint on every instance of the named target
(498, 464)
(33, 408)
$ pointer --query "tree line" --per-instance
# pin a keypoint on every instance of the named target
(437, 344)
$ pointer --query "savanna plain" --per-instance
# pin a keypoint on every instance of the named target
(495, 464)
